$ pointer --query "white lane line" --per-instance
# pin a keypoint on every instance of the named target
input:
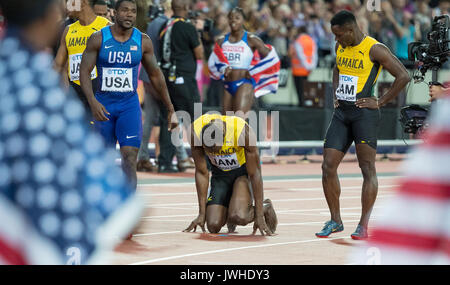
(249, 226)
(288, 212)
(157, 234)
(168, 216)
(183, 184)
(342, 188)
(320, 209)
(273, 200)
(194, 193)
(278, 212)
(233, 249)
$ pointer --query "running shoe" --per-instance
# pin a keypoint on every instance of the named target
(270, 216)
(330, 228)
(360, 233)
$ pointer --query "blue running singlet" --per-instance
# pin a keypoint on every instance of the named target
(118, 66)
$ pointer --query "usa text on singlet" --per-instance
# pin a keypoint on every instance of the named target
(118, 64)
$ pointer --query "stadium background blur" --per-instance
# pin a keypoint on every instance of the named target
(276, 22)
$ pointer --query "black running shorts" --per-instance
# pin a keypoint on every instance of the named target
(352, 124)
(222, 183)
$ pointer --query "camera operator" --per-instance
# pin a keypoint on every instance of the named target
(431, 55)
(438, 91)
(181, 47)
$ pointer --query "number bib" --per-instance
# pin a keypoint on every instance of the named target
(225, 162)
(348, 86)
(117, 79)
(74, 67)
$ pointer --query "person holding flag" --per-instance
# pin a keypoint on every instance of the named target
(248, 67)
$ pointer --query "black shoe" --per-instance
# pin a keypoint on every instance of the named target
(167, 169)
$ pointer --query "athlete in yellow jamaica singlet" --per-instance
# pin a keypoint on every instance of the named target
(230, 145)
(356, 118)
(73, 43)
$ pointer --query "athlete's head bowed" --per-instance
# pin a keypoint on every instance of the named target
(213, 135)
(345, 28)
(126, 11)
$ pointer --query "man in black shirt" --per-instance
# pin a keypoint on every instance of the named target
(180, 49)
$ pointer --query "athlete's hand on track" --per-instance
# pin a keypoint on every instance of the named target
(199, 221)
(99, 111)
(369, 102)
(260, 224)
(173, 120)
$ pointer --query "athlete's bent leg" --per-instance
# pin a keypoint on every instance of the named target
(366, 159)
(330, 181)
(216, 217)
(240, 210)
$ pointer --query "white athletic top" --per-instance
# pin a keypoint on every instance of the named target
(239, 54)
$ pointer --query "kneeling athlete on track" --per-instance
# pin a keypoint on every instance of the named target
(230, 144)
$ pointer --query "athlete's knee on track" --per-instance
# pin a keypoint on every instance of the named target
(214, 223)
(238, 217)
(214, 226)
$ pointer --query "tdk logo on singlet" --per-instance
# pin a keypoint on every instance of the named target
(119, 57)
(117, 71)
(347, 78)
(77, 56)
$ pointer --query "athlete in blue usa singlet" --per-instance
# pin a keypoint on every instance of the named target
(117, 51)
(118, 65)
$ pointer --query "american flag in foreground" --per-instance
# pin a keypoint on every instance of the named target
(62, 198)
(415, 224)
(265, 71)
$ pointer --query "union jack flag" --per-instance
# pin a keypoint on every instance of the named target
(265, 71)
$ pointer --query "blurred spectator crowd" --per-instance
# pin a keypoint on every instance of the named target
(392, 22)
(276, 22)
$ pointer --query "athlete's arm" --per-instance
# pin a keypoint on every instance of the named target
(88, 60)
(381, 54)
(228, 69)
(157, 78)
(201, 181)
(60, 62)
(335, 79)
(253, 167)
(257, 44)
